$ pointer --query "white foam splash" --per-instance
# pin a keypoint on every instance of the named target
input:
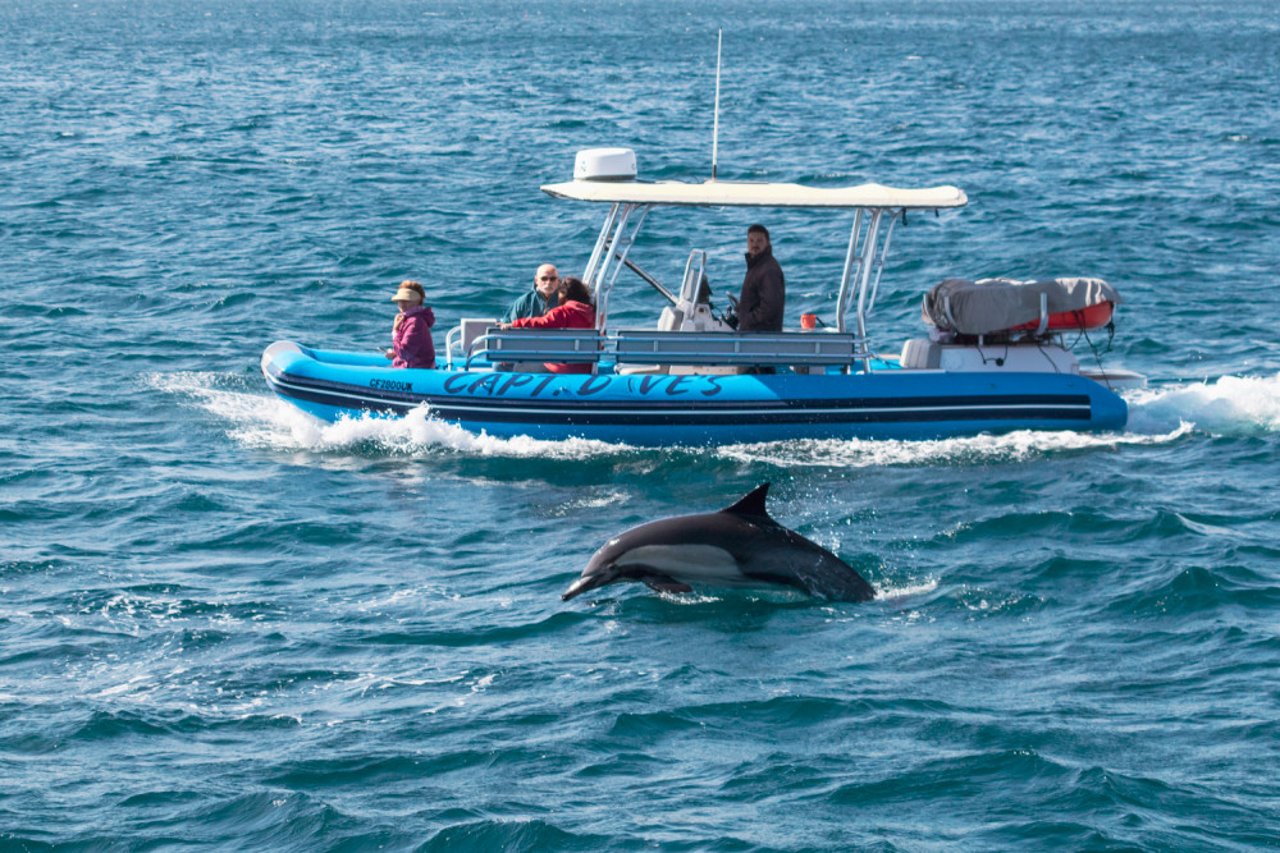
(476, 688)
(263, 421)
(888, 593)
(976, 449)
(612, 497)
(1230, 405)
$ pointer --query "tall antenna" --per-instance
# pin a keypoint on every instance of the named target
(715, 126)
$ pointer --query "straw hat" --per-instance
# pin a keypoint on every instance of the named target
(410, 291)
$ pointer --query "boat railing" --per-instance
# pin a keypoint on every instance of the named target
(817, 349)
(451, 341)
(649, 346)
(567, 346)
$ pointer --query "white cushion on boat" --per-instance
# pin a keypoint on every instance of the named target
(473, 328)
(641, 369)
(922, 354)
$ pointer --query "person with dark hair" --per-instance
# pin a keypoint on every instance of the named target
(764, 289)
(546, 279)
(411, 344)
(573, 310)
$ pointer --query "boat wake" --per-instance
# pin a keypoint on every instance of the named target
(976, 449)
(1228, 406)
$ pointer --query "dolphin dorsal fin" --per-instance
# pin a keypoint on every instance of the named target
(752, 503)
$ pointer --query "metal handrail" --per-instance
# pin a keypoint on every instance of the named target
(454, 337)
(882, 257)
(689, 287)
(540, 336)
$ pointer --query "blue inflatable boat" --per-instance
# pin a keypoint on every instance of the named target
(994, 361)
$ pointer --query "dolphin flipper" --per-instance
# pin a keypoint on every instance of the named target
(664, 583)
(650, 577)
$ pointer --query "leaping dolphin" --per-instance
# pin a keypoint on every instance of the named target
(737, 545)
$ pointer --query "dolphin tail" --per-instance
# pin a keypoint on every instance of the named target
(851, 587)
(832, 578)
(752, 503)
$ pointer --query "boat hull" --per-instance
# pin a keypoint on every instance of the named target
(693, 409)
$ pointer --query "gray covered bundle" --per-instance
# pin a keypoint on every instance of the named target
(991, 305)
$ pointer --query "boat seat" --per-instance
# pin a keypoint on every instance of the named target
(670, 319)
(646, 346)
(643, 369)
(565, 346)
(474, 327)
(921, 354)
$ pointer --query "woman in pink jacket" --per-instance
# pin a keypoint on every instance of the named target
(411, 344)
(573, 311)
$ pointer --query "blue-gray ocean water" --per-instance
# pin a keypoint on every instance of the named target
(226, 626)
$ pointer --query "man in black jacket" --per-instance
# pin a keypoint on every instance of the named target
(764, 290)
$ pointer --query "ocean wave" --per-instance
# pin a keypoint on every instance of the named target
(266, 820)
(475, 635)
(484, 836)
(1012, 767)
(107, 724)
(1199, 589)
(1085, 524)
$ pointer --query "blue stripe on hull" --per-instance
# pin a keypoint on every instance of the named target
(701, 410)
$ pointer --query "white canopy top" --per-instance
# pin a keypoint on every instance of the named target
(740, 194)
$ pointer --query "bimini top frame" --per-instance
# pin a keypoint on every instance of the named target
(878, 208)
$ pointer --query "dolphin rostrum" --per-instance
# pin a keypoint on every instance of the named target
(737, 545)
